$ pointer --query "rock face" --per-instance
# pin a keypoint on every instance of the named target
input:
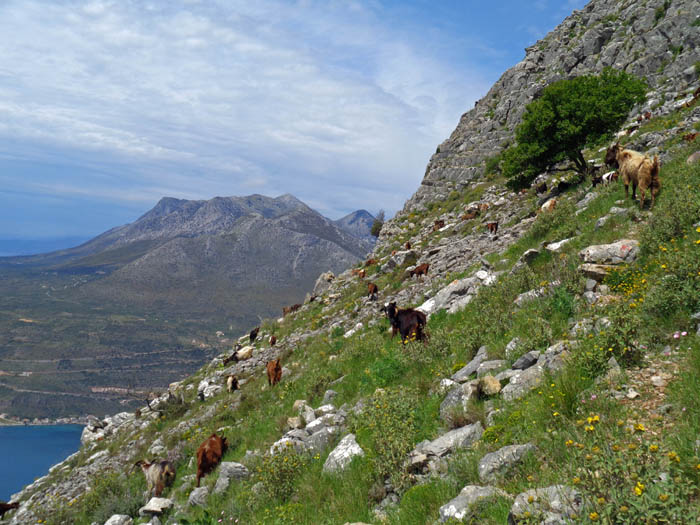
(622, 251)
(624, 35)
(342, 454)
(497, 462)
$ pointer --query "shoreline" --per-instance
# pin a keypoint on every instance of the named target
(41, 422)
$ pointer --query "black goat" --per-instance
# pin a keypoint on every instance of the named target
(254, 334)
(407, 322)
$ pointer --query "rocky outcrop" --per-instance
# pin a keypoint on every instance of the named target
(623, 34)
(343, 454)
(459, 507)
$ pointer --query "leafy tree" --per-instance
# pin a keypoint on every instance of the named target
(378, 223)
(569, 116)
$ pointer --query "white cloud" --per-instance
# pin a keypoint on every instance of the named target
(195, 99)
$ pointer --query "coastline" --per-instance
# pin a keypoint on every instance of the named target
(13, 421)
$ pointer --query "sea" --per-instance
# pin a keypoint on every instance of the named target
(28, 451)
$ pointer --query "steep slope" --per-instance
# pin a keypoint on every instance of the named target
(657, 40)
(512, 412)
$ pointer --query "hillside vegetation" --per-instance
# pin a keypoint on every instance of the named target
(617, 436)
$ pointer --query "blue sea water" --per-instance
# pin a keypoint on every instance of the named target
(27, 453)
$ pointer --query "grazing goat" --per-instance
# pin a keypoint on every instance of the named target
(370, 262)
(254, 334)
(5, 507)
(290, 309)
(233, 358)
(549, 205)
(690, 137)
(209, 455)
(638, 169)
(232, 384)
(605, 178)
(420, 270)
(362, 274)
(492, 227)
(647, 115)
(372, 291)
(159, 474)
(408, 245)
(470, 215)
(273, 340)
(274, 372)
(483, 208)
(438, 224)
(407, 322)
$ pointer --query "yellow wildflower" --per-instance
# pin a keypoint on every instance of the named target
(639, 488)
(639, 427)
(663, 497)
(653, 448)
(593, 516)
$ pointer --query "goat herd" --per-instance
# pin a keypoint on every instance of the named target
(633, 167)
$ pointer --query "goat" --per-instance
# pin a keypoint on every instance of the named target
(372, 291)
(647, 115)
(393, 252)
(407, 322)
(209, 455)
(274, 372)
(438, 224)
(233, 358)
(483, 208)
(492, 227)
(232, 384)
(690, 137)
(470, 215)
(408, 245)
(273, 340)
(638, 169)
(362, 274)
(549, 205)
(5, 507)
(254, 334)
(159, 474)
(290, 309)
(420, 270)
(370, 262)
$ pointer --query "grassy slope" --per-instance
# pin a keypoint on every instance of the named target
(656, 296)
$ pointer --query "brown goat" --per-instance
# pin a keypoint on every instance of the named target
(438, 224)
(5, 507)
(470, 215)
(407, 322)
(483, 208)
(209, 455)
(638, 169)
(290, 309)
(420, 270)
(370, 262)
(274, 372)
(647, 115)
(232, 384)
(273, 340)
(159, 474)
(408, 245)
(690, 137)
(372, 291)
(492, 227)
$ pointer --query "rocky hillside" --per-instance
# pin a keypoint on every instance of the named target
(558, 382)
(654, 39)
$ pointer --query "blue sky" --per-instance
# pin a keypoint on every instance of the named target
(106, 106)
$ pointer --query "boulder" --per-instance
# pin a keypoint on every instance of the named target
(555, 247)
(156, 506)
(487, 367)
(465, 372)
(458, 507)
(198, 497)
(119, 519)
(622, 251)
(323, 283)
(495, 463)
(597, 272)
(229, 470)
(457, 398)
(556, 504)
(342, 455)
(522, 383)
(452, 440)
(526, 360)
(489, 386)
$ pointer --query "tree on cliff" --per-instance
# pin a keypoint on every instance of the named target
(569, 116)
(378, 223)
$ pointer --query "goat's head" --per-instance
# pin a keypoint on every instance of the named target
(611, 155)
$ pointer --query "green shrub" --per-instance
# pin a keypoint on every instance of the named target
(278, 472)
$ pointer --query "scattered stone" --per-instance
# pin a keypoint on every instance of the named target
(555, 247)
(458, 438)
(495, 463)
(522, 383)
(632, 394)
(526, 360)
(458, 507)
(490, 366)
(343, 454)
(622, 251)
(457, 397)
(198, 497)
(465, 372)
(489, 385)
(295, 422)
(229, 470)
(156, 506)
(597, 272)
(591, 285)
(329, 396)
(119, 519)
(558, 504)
(658, 381)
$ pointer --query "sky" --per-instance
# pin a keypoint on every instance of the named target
(107, 106)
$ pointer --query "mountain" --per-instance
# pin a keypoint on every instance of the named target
(654, 40)
(119, 303)
(562, 356)
(358, 224)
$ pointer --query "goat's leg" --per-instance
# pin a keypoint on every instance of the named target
(642, 195)
(634, 190)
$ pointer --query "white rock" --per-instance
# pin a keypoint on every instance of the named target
(343, 454)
